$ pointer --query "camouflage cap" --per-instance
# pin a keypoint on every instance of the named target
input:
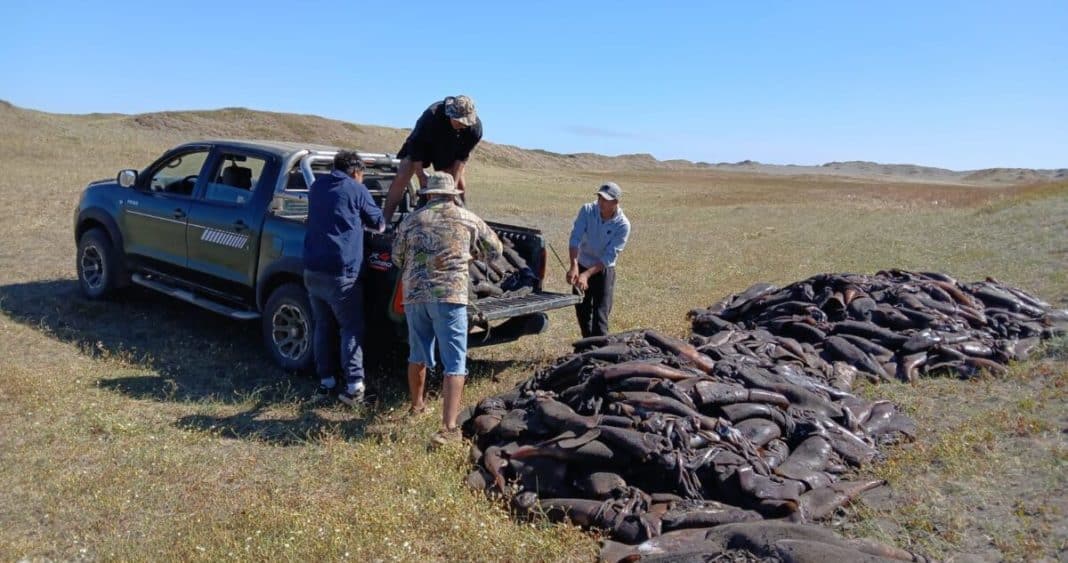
(462, 109)
(440, 183)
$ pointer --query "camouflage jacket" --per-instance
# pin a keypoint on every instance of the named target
(434, 246)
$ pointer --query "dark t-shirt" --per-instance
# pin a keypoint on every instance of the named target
(434, 141)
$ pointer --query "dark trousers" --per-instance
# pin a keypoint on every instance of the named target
(337, 304)
(596, 304)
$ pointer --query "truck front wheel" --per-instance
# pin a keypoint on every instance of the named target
(99, 265)
(288, 328)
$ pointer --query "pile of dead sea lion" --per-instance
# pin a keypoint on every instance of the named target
(894, 324)
(640, 434)
(508, 275)
(731, 447)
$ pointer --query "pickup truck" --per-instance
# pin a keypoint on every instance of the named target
(220, 224)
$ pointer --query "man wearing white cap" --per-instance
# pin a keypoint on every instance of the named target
(597, 238)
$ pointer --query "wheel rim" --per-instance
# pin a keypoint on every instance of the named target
(289, 331)
(92, 263)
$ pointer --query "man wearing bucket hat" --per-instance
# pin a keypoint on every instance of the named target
(597, 238)
(443, 137)
(434, 246)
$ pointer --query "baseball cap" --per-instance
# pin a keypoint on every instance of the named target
(610, 191)
(462, 109)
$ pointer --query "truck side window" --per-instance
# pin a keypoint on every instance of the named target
(179, 174)
(295, 180)
(234, 179)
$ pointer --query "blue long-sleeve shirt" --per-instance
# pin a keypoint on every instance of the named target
(338, 210)
(598, 240)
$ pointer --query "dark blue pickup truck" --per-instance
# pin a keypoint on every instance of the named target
(220, 224)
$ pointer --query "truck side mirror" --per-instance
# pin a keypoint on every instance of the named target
(127, 178)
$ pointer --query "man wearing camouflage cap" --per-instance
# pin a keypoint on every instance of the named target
(434, 247)
(443, 137)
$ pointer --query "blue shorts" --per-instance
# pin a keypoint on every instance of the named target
(441, 323)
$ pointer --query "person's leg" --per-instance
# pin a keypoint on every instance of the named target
(584, 310)
(602, 286)
(451, 328)
(349, 309)
(417, 386)
(420, 352)
(453, 392)
(326, 329)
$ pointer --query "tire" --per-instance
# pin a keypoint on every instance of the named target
(100, 265)
(289, 329)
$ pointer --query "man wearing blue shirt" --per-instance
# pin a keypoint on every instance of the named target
(598, 236)
(339, 208)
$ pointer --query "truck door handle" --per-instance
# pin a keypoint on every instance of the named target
(240, 225)
(179, 213)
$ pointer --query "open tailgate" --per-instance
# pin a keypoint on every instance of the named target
(497, 308)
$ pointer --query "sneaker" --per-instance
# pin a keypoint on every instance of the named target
(352, 399)
(323, 392)
(443, 437)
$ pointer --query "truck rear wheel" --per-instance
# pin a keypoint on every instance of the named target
(99, 265)
(289, 329)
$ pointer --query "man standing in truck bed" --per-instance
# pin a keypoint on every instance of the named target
(435, 246)
(339, 207)
(598, 236)
(444, 137)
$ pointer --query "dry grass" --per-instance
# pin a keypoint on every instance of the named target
(146, 429)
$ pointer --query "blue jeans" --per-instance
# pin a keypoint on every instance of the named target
(443, 323)
(337, 304)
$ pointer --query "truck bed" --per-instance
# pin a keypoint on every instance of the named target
(529, 243)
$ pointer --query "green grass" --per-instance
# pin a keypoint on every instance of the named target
(990, 478)
(149, 430)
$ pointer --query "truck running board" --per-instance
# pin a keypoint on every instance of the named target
(190, 297)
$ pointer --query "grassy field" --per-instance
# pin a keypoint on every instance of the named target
(146, 429)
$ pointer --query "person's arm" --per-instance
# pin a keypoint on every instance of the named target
(471, 140)
(421, 140)
(412, 163)
(487, 245)
(457, 172)
(370, 214)
(577, 230)
(399, 185)
(420, 173)
(582, 281)
(400, 245)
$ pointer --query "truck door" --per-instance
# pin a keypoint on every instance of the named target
(154, 215)
(226, 217)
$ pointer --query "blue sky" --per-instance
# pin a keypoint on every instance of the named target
(955, 84)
